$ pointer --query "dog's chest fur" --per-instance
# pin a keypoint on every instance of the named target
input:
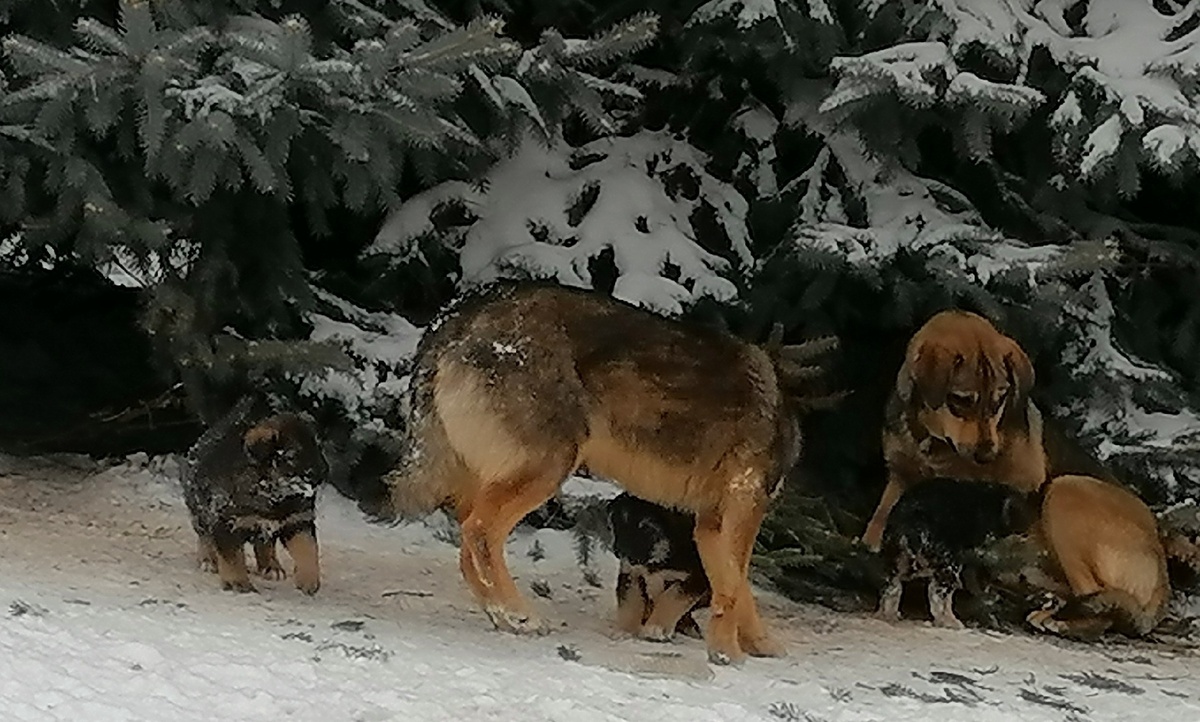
(224, 489)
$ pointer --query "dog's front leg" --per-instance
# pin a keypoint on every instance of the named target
(302, 548)
(873, 536)
(231, 562)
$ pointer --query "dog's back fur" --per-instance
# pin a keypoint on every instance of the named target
(1106, 543)
(516, 386)
(936, 525)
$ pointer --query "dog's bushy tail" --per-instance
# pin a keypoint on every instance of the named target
(802, 368)
(1091, 615)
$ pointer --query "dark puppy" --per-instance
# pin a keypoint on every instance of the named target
(934, 527)
(661, 580)
(253, 477)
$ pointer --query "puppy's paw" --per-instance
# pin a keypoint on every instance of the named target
(949, 622)
(655, 633)
(272, 570)
(238, 585)
(508, 620)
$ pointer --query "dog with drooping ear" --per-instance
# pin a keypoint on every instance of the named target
(960, 408)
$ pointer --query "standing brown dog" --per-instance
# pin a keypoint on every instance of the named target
(1107, 547)
(960, 409)
(514, 387)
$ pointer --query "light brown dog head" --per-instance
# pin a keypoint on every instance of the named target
(962, 376)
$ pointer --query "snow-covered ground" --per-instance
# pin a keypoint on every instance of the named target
(104, 616)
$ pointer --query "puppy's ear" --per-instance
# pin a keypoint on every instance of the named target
(260, 442)
(1018, 513)
(1020, 369)
(926, 373)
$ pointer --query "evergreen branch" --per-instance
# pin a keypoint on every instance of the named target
(203, 180)
(261, 172)
(401, 38)
(625, 38)
(24, 134)
(54, 87)
(456, 50)
(515, 94)
(100, 38)
(35, 57)
(138, 30)
(152, 114)
(190, 43)
(607, 86)
(424, 85)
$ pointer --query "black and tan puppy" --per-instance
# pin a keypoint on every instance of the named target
(253, 477)
(933, 529)
(661, 579)
(960, 409)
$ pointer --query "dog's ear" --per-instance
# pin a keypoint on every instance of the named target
(260, 443)
(926, 372)
(1020, 369)
(1018, 513)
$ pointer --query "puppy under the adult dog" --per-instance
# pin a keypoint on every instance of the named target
(960, 409)
(934, 528)
(661, 579)
(253, 477)
(518, 384)
(1108, 547)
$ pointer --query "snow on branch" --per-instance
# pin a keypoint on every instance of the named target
(550, 212)
(379, 345)
(1132, 68)
(1159, 438)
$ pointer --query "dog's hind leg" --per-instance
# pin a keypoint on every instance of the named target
(893, 591)
(753, 636)
(206, 554)
(265, 562)
(631, 600)
(497, 507)
(677, 599)
(725, 537)
(946, 580)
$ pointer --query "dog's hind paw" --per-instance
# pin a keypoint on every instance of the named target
(209, 566)
(725, 659)
(507, 620)
(763, 647)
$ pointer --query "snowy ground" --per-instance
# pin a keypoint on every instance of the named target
(103, 616)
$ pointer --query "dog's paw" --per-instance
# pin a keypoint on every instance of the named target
(239, 586)
(507, 620)
(308, 586)
(949, 622)
(887, 615)
(273, 571)
(723, 658)
(1041, 620)
(207, 565)
(763, 647)
(655, 633)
